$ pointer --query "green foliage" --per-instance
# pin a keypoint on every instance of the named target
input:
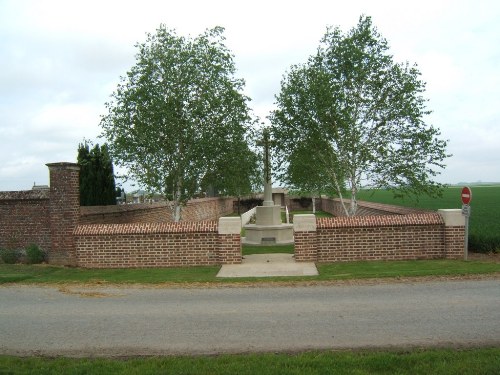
(303, 173)
(484, 223)
(9, 256)
(235, 172)
(178, 121)
(97, 181)
(34, 254)
(351, 114)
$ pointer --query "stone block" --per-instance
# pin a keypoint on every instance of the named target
(452, 217)
(304, 223)
(229, 225)
(268, 215)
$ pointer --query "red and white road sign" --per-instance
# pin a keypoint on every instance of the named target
(466, 195)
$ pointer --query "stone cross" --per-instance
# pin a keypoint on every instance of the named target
(268, 189)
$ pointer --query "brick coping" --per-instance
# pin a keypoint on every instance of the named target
(379, 221)
(146, 228)
(24, 195)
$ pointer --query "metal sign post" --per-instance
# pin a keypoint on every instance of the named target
(466, 198)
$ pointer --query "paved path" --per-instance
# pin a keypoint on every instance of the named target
(142, 321)
(265, 265)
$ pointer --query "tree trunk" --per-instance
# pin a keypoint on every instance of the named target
(354, 202)
(177, 202)
(177, 216)
(346, 211)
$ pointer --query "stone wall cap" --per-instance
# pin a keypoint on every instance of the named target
(63, 165)
(452, 217)
(304, 223)
(230, 225)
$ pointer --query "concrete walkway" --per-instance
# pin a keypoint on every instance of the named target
(266, 265)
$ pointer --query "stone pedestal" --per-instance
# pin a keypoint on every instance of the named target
(268, 215)
(268, 229)
(281, 234)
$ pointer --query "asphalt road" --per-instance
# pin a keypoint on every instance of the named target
(148, 321)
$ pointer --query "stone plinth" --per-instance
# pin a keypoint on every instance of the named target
(268, 229)
(268, 215)
(281, 234)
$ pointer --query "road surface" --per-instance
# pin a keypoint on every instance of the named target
(123, 321)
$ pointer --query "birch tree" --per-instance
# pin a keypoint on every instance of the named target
(178, 114)
(362, 117)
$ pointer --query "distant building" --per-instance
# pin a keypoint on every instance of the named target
(279, 196)
(39, 187)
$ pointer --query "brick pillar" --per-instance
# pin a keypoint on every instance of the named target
(229, 251)
(304, 235)
(454, 233)
(64, 211)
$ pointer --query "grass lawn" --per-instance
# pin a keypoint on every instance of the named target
(21, 273)
(252, 249)
(433, 361)
(30, 274)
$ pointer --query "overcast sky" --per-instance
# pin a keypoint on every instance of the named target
(61, 60)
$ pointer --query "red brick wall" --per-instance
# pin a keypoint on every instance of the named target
(306, 248)
(334, 207)
(64, 208)
(229, 251)
(155, 245)
(418, 236)
(195, 210)
(49, 219)
(24, 219)
(454, 242)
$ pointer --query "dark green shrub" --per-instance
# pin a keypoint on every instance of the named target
(34, 254)
(483, 243)
(304, 202)
(9, 256)
(250, 203)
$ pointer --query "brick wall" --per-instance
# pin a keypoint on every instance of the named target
(454, 233)
(51, 219)
(195, 210)
(64, 211)
(380, 238)
(334, 207)
(24, 219)
(144, 245)
(44, 217)
(389, 237)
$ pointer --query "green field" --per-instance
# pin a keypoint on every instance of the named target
(484, 234)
